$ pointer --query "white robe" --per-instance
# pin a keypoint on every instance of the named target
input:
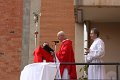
(97, 51)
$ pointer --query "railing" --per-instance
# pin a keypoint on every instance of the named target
(116, 64)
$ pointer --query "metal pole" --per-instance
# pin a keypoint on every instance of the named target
(55, 42)
(57, 76)
(36, 18)
(72, 63)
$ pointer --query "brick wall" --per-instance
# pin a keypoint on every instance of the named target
(10, 39)
(56, 15)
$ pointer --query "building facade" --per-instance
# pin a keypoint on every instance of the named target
(104, 15)
(17, 29)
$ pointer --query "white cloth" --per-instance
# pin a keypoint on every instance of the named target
(97, 51)
(39, 71)
(58, 75)
(65, 74)
(111, 75)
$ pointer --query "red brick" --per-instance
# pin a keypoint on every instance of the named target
(10, 38)
(56, 15)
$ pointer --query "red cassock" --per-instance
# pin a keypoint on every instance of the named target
(40, 53)
(66, 54)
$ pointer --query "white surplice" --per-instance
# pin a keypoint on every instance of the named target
(96, 72)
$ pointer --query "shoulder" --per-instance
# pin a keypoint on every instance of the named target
(99, 41)
(67, 42)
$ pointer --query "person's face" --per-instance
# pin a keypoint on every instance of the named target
(93, 35)
(60, 37)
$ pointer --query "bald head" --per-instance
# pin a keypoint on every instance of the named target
(61, 35)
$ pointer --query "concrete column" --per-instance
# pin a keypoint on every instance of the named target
(79, 45)
(25, 33)
(34, 7)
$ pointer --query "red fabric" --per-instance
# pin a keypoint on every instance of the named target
(40, 53)
(66, 54)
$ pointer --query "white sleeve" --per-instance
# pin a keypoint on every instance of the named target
(88, 58)
(98, 52)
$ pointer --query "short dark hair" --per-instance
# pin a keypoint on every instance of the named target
(96, 31)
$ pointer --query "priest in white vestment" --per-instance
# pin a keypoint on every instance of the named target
(94, 55)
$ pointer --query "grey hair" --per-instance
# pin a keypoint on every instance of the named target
(96, 31)
(60, 33)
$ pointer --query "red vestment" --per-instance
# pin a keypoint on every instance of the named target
(40, 53)
(66, 54)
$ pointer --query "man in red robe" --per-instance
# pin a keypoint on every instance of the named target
(43, 53)
(66, 54)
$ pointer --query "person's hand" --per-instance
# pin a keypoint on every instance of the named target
(87, 50)
(44, 44)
